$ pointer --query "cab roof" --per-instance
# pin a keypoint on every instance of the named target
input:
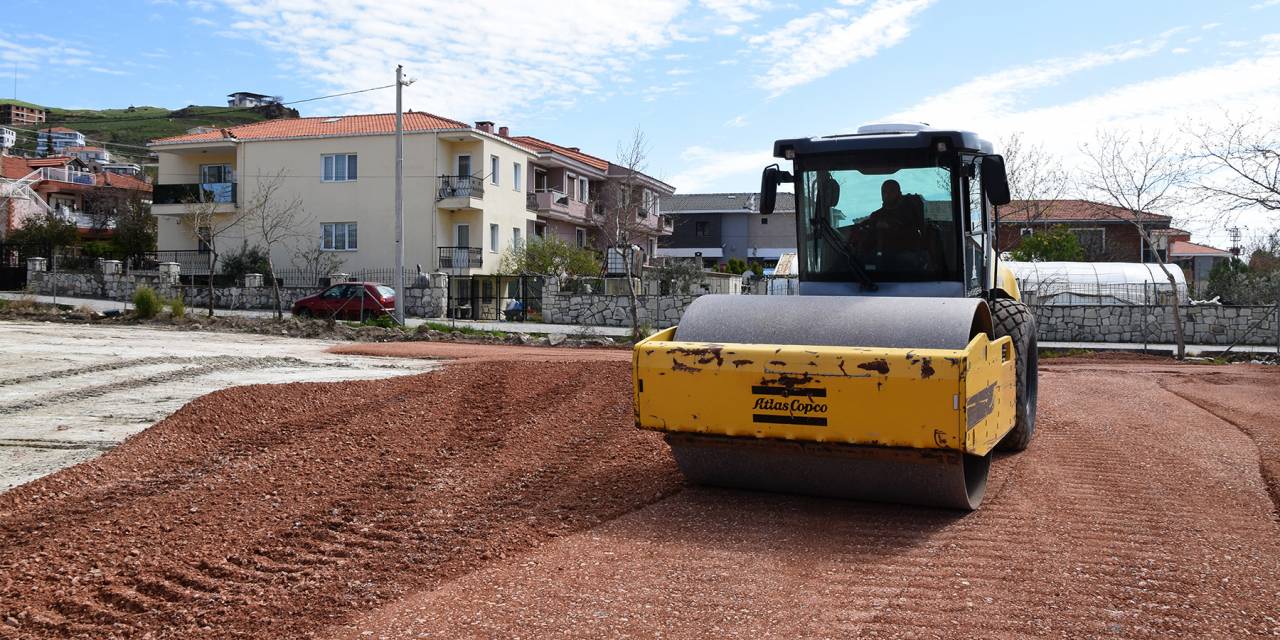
(884, 137)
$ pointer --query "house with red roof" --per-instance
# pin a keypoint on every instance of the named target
(60, 184)
(573, 192)
(470, 192)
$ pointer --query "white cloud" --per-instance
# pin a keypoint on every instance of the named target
(736, 10)
(737, 121)
(112, 72)
(204, 22)
(728, 30)
(1264, 4)
(705, 167)
(675, 56)
(1180, 50)
(1249, 83)
(679, 72)
(467, 64)
(812, 46)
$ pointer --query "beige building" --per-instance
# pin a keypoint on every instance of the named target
(464, 196)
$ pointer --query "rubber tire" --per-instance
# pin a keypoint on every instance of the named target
(1012, 318)
(304, 313)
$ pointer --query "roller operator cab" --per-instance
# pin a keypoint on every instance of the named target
(905, 360)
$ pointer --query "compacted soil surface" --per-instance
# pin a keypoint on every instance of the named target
(513, 499)
(273, 511)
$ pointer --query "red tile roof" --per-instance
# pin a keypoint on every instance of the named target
(1183, 248)
(378, 123)
(542, 145)
(1070, 211)
(59, 130)
(119, 181)
(52, 161)
(13, 167)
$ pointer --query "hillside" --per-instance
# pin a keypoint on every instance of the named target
(137, 125)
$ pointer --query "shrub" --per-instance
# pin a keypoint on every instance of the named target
(1056, 244)
(146, 303)
(177, 308)
(248, 260)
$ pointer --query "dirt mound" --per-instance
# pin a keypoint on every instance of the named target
(273, 511)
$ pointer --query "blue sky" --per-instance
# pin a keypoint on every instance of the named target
(710, 82)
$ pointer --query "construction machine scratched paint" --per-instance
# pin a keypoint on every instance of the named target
(906, 359)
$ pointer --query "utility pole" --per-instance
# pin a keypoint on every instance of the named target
(399, 278)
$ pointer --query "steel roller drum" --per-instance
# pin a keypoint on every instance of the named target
(929, 477)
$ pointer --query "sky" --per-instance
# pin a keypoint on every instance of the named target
(710, 83)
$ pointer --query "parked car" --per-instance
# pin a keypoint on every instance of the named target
(348, 301)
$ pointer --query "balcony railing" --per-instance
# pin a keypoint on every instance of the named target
(461, 258)
(221, 192)
(62, 174)
(460, 187)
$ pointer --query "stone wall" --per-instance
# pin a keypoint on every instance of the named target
(563, 307)
(1202, 324)
(425, 302)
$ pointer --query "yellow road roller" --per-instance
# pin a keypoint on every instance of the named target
(906, 358)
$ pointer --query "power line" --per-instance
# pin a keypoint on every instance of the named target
(224, 111)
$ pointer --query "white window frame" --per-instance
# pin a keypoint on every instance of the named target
(571, 185)
(515, 175)
(580, 237)
(584, 188)
(329, 167)
(516, 238)
(329, 236)
(457, 228)
(457, 164)
(493, 237)
(495, 165)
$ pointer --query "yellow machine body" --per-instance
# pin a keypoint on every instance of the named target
(958, 400)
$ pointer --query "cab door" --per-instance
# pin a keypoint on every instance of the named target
(976, 230)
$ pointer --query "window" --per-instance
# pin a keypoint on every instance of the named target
(580, 235)
(515, 237)
(202, 239)
(569, 182)
(493, 238)
(1093, 241)
(764, 220)
(339, 167)
(462, 235)
(464, 165)
(494, 166)
(700, 229)
(216, 174)
(338, 236)
(583, 188)
(515, 175)
(1026, 231)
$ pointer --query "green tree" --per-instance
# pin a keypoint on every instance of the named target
(247, 260)
(1055, 245)
(550, 256)
(737, 266)
(47, 229)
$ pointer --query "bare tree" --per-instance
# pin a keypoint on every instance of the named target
(1036, 179)
(1138, 174)
(1241, 157)
(629, 217)
(275, 218)
(204, 220)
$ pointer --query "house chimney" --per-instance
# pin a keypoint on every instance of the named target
(485, 125)
(575, 149)
(504, 132)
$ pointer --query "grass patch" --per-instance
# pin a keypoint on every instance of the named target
(463, 329)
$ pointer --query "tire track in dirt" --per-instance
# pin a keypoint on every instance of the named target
(1127, 517)
(276, 511)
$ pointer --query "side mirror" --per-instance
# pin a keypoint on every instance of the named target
(994, 180)
(769, 189)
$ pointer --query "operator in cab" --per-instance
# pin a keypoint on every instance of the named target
(893, 236)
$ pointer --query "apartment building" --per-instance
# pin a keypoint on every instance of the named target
(21, 114)
(7, 139)
(54, 141)
(60, 184)
(249, 99)
(88, 155)
(716, 227)
(575, 195)
(464, 197)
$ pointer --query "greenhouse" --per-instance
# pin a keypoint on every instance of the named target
(1117, 283)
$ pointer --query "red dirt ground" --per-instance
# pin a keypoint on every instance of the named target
(473, 351)
(508, 499)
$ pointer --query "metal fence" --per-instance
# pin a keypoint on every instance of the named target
(1078, 293)
(496, 297)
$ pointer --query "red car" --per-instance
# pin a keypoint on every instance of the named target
(348, 301)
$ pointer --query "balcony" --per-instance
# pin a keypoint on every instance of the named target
(459, 190)
(63, 174)
(461, 258)
(557, 205)
(173, 199)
